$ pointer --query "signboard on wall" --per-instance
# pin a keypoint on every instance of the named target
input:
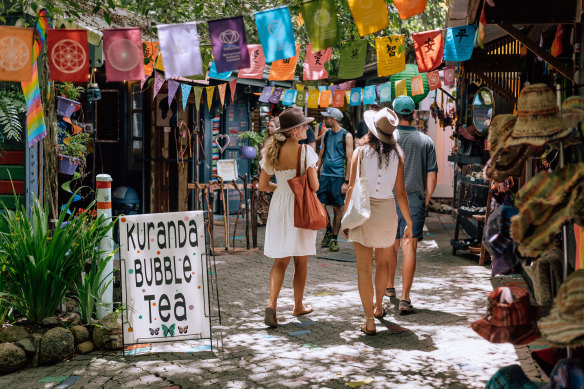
(236, 121)
(164, 276)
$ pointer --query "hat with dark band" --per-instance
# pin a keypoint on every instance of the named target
(292, 118)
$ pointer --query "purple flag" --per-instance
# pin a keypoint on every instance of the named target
(185, 91)
(275, 97)
(266, 93)
(158, 82)
(229, 44)
(172, 87)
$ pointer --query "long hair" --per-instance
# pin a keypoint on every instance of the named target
(272, 148)
(383, 150)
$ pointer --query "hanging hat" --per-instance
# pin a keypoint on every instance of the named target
(497, 239)
(499, 130)
(573, 111)
(291, 118)
(509, 317)
(382, 124)
(508, 162)
(564, 325)
(538, 120)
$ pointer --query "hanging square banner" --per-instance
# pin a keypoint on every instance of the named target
(448, 76)
(434, 79)
(401, 88)
(124, 57)
(68, 53)
(355, 96)
(391, 55)
(276, 33)
(257, 63)
(276, 95)
(353, 59)
(385, 92)
(370, 16)
(266, 93)
(170, 303)
(179, 46)
(429, 47)
(313, 99)
(369, 95)
(150, 50)
(339, 98)
(409, 8)
(459, 43)
(325, 98)
(289, 97)
(15, 53)
(314, 63)
(322, 24)
(283, 69)
(417, 85)
(300, 98)
(218, 76)
(229, 43)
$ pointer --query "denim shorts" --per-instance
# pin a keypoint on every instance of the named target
(418, 215)
(329, 190)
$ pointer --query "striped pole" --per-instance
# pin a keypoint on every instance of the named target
(106, 245)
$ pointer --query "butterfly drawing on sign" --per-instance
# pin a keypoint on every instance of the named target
(168, 330)
(183, 330)
(154, 331)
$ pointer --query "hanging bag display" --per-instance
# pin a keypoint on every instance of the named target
(309, 213)
(359, 209)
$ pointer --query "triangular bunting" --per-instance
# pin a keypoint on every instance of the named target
(172, 88)
(210, 90)
(159, 65)
(198, 91)
(185, 92)
(221, 88)
(158, 82)
(232, 87)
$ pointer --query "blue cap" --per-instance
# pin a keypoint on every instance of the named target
(404, 105)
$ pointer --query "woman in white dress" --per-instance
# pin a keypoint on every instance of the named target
(383, 165)
(283, 240)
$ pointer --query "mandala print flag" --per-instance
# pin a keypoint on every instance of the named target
(409, 8)
(229, 43)
(289, 97)
(355, 96)
(370, 15)
(257, 63)
(325, 98)
(321, 21)
(179, 46)
(429, 47)
(266, 93)
(401, 88)
(353, 59)
(275, 97)
(15, 53)
(434, 79)
(301, 98)
(68, 55)
(391, 55)
(385, 92)
(124, 58)
(313, 99)
(314, 63)
(448, 76)
(276, 33)
(369, 95)
(417, 85)
(339, 98)
(283, 69)
(459, 43)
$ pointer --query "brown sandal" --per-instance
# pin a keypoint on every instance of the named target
(270, 317)
(365, 330)
(382, 312)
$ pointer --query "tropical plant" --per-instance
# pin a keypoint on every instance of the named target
(69, 90)
(12, 108)
(255, 138)
(41, 263)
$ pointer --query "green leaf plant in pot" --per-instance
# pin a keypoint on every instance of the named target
(72, 151)
(251, 152)
(67, 101)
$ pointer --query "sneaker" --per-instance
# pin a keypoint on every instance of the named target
(390, 292)
(334, 245)
(326, 240)
(405, 307)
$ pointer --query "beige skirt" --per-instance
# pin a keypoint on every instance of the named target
(380, 229)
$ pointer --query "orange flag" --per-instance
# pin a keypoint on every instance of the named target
(283, 69)
(429, 47)
(232, 87)
(150, 53)
(325, 98)
(339, 98)
(417, 84)
(370, 15)
(409, 8)
(15, 53)
(221, 88)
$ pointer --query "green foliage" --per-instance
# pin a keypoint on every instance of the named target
(41, 263)
(74, 145)
(255, 138)
(69, 90)
(12, 108)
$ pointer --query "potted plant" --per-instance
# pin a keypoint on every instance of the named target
(67, 101)
(72, 151)
(255, 139)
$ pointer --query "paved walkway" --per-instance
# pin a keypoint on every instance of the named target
(433, 348)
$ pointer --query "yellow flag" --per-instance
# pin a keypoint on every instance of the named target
(300, 87)
(325, 98)
(313, 99)
(401, 88)
(391, 55)
(348, 96)
(159, 64)
(210, 90)
(417, 84)
(370, 15)
(221, 88)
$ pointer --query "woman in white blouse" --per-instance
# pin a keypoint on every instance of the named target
(383, 166)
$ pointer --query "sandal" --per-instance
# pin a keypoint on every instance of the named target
(270, 317)
(365, 330)
(307, 310)
(383, 306)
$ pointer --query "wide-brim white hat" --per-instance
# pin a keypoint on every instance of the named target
(382, 124)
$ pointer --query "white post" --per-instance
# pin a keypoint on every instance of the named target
(106, 245)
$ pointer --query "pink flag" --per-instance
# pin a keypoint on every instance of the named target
(172, 88)
(232, 86)
(448, 76)
(314, 63)
(221, 88)
(158, 81)
(124, 60)
(257, 62)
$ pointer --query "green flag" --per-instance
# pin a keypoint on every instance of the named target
(353, 59)
(322, 24)
(301, 98)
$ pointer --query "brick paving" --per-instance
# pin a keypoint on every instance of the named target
(433, 348)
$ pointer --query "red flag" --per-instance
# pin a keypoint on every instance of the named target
(232, 86)
(68, 55)
(429, 48)
(339, 98)
(124, 58)
(434, 79)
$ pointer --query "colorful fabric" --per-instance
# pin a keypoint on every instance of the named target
(158, 82)
(401, 88)
(185, 90)
(283, 69)
(276, 33)
(266, 93)
(16, 53)
(429, 48)
(257, 63)
(417, 85)
(369, 95)
(385, 92)
(433, 78)
(232, 88)
(313, 99)
(370, 16)
(459, 43)
(221, 89)
(43, 25)
(321, 21)
(219, 76)
(229, 43)
(179, 47)
(355, 96)
(124, 58)
(276, 94)
(314, 63)
(448, 76)
(172, 88)
(339, 98)
(198, 91)
(409, 8)
(210, 91)
(150, 50)
(325, 98)
(68, 55)
(300, 98)
(391, 55)
(289, 97)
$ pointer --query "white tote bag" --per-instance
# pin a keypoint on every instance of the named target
(359, 209)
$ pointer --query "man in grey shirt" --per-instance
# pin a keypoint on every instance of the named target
(420, 173)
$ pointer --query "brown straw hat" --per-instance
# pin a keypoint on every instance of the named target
(538, 120)
(292, 118)
(499, 130)
(573, 111)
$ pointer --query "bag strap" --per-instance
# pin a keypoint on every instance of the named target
(305, 159)
(298, 161)
(359, 172)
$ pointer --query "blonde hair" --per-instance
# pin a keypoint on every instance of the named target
(272, 148)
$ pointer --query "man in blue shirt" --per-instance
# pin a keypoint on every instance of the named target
(420, 174)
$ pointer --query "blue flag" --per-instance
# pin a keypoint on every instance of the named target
(276, 33)
(220, 76)
(289, 97)
(370, 95)
(355, 96)
(459, 43)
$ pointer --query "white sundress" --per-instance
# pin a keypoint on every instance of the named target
(282, 238)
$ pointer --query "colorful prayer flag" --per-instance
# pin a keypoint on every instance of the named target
(219, 76)
(369, 95)
(434, 79)
(391, 55)
(417, 85)
(313, 99)
(401, 88)
(385, 92)
(15, 53)
(314, 63)
(158, 82)
(276, 33)
(353, 59)
(124, 58)
(232, 88)
(429, 47)
(150, 50)
(257, 63)
(221, 89)
(276, 94)
(459, 43)
(198, 91)
(68, 54)
(448, 76)
(283, 69)
(159, 64)
(409, 8)
(179, 47)
(210, 90)
(229, 43)
(300, 98)
(321, 23)
(289, 97)
(339, 98)
(185, 92)
(324, 98)
(266, 93)
(355, 96)
(172, 88)
(370, 16)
